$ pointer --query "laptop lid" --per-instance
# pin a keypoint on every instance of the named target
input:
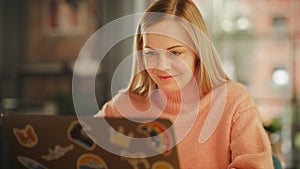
(53, 142)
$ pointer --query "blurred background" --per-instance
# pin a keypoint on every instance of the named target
(258, 42)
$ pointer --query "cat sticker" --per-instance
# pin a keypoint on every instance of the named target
(27, 137)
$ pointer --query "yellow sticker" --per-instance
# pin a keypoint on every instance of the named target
(162, 165)
(139, 160)
(120, 138)
(90, 161)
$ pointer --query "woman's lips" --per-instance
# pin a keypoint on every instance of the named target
(165, 77)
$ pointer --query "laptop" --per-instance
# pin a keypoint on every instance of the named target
(69, 142)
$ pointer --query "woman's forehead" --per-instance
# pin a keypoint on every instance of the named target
(158, 41)
(167, 31)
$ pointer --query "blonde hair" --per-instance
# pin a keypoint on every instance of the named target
(209, 72)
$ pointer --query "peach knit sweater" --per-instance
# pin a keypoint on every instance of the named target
(227, 131)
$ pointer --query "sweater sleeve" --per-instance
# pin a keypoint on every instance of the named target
(108, 110)
(250, 147)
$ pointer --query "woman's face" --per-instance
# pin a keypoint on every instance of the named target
(168, 55)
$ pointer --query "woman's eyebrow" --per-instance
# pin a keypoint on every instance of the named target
(149, 47)
(169, 48)
(176, 46)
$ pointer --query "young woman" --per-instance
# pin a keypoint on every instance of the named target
(178, 74)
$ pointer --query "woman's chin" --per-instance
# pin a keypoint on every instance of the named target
(169, 88)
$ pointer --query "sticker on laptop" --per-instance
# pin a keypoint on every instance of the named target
(158, 140)
(27, 136)
(117, 137)
(90, 161)
(57, 152)
(30, 163)
(139, 160)
(162, 165)
(77, 135)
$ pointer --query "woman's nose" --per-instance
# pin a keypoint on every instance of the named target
(164, 62)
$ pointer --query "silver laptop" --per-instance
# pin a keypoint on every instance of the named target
(69, 142)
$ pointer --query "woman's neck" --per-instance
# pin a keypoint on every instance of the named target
(175, 102)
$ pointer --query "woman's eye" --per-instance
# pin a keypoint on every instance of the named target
(174, 53)
(150, 53)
